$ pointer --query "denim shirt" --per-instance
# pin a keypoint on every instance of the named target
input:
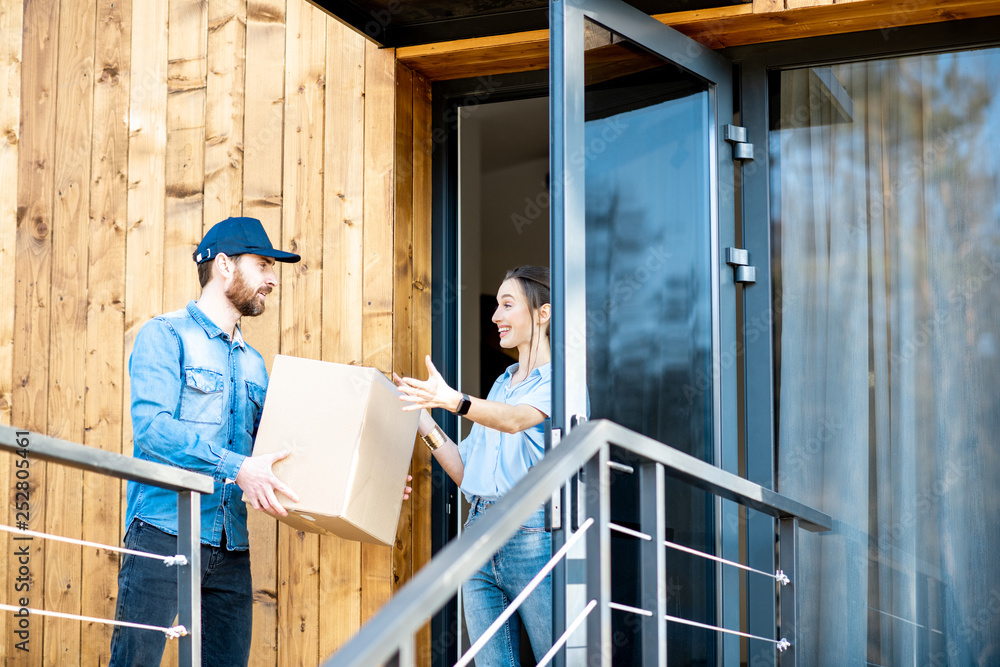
(196, 404)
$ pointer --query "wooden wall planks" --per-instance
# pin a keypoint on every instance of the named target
(377, 290)
(343, 245)
(70, 246)
(402, 295)
(105, 363)
(301, 299)
(187, 62)
(133, 126)
(33, 273)
(224, 113)
(11, 22)
(264, 121)
(420, 318)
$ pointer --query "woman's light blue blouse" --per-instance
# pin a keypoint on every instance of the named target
(496, 461)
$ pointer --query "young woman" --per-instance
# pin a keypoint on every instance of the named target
(507, 438)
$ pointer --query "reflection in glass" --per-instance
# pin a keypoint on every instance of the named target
(649, 320)
(887, 248)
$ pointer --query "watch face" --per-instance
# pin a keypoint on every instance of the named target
(465, 404)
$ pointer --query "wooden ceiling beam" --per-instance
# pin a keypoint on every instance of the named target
(755, 23)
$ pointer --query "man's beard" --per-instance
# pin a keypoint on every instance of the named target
(244, 297)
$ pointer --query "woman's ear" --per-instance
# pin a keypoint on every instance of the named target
(544, 314)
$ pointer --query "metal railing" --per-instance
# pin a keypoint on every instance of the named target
(189, 487)
(389, 636)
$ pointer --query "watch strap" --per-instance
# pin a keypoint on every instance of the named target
(464, 405)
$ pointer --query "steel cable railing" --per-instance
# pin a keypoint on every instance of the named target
(189, 486)
(389, 636)
(523, 595)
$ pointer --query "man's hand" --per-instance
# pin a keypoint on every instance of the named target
(259, 483)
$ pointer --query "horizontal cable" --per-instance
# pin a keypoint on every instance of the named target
(904, 620)
(781, 644)
(171, 633)
(625, 607)
(629, 531)
(565, 636)
(167, 560)
(777, 576)
(621, 467)
(523, 595)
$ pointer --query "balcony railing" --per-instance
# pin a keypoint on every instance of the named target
(189, 487)
(388, 638)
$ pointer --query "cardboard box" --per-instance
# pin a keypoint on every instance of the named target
(350, 444)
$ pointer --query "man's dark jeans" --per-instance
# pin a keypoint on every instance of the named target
(147, 593)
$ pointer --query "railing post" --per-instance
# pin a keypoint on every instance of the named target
(788, 538)
(653, 564)
(406, 656)
(189, 576)
(598, 504)
(557, 526)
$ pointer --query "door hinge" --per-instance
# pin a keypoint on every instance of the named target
(739, 259)
(737, 136)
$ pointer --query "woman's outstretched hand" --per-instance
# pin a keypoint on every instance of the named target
(433, 392)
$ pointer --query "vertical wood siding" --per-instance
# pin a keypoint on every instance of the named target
(11, 21)
(105, 360)
(127, 128)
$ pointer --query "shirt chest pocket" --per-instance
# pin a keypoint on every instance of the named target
(202, 396)
(255, 394)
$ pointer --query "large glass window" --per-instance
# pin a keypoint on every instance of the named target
(886, 238)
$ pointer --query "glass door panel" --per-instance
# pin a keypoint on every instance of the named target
(642, 206)
(648, 253)
(649, 303)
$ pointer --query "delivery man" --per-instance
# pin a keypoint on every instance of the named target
(197, 393)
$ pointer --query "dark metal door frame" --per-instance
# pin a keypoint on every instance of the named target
(568, 249)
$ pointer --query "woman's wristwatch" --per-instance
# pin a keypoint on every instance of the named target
(464, 405)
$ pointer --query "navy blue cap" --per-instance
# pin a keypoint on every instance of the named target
(235, 236)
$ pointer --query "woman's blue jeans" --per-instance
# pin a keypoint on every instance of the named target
(499, 581)
(147, 593)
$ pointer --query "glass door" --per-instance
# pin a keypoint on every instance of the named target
(642, 210)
